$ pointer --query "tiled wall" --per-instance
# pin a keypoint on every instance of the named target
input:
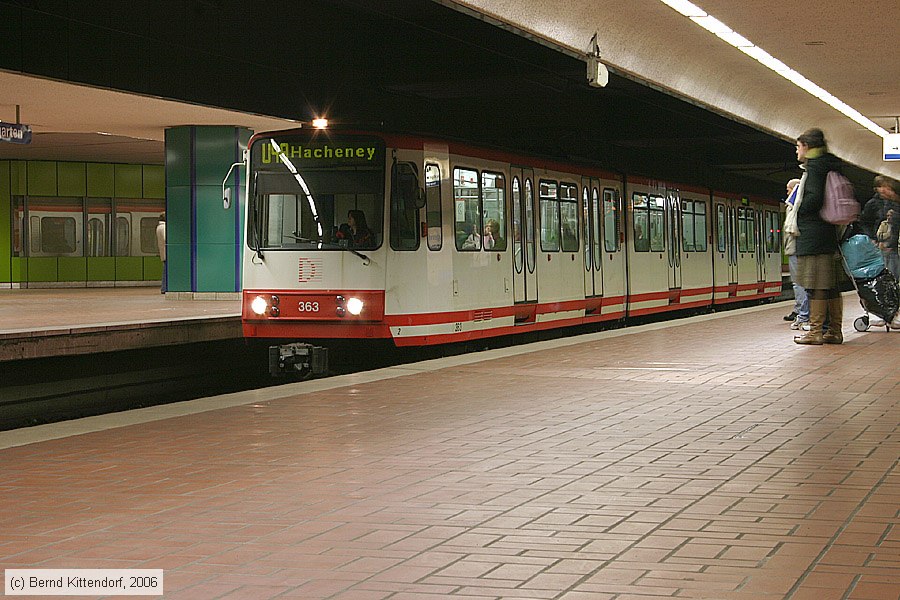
(82, 180)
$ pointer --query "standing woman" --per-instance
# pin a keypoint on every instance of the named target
(819, 268)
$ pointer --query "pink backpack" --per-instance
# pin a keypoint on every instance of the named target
(840, 206)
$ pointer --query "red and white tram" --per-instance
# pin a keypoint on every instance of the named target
(422, 241)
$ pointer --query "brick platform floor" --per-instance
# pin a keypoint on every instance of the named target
(711, 458)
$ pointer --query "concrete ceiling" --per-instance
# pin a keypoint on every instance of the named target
(848, 50)
(76, 122)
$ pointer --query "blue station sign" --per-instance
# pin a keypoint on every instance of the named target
(15, 133)
(892, 146)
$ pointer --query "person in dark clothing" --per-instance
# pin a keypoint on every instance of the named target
(875, 212)
(819, 267)
(361, 235)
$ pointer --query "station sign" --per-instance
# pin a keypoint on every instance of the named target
(892, 146)
(15, 133)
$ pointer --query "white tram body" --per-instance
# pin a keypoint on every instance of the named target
(465, 243)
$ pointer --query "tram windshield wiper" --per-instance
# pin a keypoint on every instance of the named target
(359, 254)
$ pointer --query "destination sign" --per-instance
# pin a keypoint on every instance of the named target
(325, 153)
(15, 133)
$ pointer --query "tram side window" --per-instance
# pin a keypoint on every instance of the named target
(746, 229)
(467, 209)
(694, 225)
(641, 213)
(56, 226)
(720, 228)
(610, 220)
(149, 245)
(136, 221)
(518, 254)
(773, 234)
(586, 224)
(568, 216)
(687, 226)
(657, 224)
(433, 206)
(548, 195)
(493, 191)
(123, 235)
(99, 227)
(404, 214)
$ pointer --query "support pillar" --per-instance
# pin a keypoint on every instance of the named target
(203, 239)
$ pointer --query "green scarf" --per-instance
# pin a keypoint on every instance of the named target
(815, 152)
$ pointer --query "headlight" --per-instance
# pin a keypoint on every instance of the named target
(354, 306)
(259, 305)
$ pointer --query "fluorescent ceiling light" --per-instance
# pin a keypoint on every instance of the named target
(723, 32)
(686, 8)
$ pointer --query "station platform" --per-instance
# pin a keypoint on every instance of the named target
(41, 323)
(708, 457)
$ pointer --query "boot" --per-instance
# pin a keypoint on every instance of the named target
(835, 316)
(817, 309)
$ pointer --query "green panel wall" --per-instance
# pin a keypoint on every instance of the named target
(101, 268)
(75, 179)
(41, 269)
(5, 223)
(18, 178)
(129, 181)
(41, 178)
(18, 269)
(71, 268)
(154, 181)
(129, 268)
(152, 268)
(72, 180)
(100, 180)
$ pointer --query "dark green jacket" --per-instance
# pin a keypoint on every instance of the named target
(816, 236)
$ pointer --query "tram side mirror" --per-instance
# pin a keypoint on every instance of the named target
(227, 191)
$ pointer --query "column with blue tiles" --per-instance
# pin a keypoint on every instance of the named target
(203, 239)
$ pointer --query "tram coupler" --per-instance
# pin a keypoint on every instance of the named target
(298, 358)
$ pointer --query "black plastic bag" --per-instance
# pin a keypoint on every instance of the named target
(880, 295)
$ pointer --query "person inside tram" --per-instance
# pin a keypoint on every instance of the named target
(356, 231)
(569, 239)
(472, 240)
(492, 239)
(361, 235)
(641, 243)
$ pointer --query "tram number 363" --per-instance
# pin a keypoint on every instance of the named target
(308, 306)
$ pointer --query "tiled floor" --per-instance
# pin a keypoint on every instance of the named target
(708, 459)
(37, 309)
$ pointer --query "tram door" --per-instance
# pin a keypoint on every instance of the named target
(591, 220)
(673, 237)
(731, 243)
(761, 231)
(523, 235)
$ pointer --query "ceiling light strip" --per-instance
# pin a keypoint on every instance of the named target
(723, 32)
